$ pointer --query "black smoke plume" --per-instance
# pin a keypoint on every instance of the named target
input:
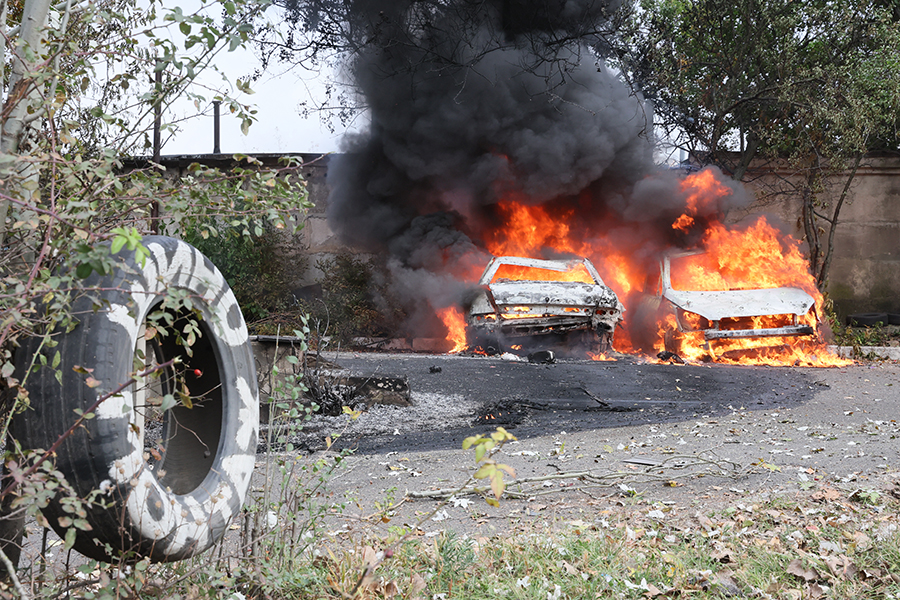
(472, 101)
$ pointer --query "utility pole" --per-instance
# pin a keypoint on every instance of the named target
(157, 146)
(216, 148)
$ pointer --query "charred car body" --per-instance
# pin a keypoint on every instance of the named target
(545, 297)
(732, 314)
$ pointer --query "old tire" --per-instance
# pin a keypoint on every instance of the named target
(183, 502)
(867, 319)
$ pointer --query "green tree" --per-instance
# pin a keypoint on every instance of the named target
(815, 84)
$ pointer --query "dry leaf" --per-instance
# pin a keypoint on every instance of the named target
(726, 581)
(652, 591)
(862, 541)
(827, 494)
(570, 569)
(390, 589)
(796, 568)
(579, 524)
(368, 555)
(722, 553)
(835, 565)
(815, 591)
(872, 573)
(418, 584)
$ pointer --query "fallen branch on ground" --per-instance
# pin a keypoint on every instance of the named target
(662, 471)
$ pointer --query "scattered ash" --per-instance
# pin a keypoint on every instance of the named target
(429, 412)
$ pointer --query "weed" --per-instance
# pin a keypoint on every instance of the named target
(257, 271)
(354, 300)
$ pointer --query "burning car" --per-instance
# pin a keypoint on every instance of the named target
(518, 299)
(730, 314)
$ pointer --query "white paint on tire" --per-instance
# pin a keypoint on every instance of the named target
(185, 268)
(183, 523)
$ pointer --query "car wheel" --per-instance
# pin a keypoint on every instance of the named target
(168, 498)
(486, 343)
(602, 341)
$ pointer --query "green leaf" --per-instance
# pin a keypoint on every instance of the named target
(83, 270)
(497, 484)
(479, 452)
(485, 471)
(70, 538)
(168, 402)
(118, 243)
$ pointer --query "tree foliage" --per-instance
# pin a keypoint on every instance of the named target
(814, 83)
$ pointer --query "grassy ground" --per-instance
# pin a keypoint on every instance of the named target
(817, 544)
(820, 542)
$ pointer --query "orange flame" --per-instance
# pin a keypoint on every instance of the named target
(453, 319)
(703, 192)
(533, 228)
(751, 257)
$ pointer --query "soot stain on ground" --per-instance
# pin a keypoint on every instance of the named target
(477, 395)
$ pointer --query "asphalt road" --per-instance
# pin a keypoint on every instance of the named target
(676, 436)
(533, 400)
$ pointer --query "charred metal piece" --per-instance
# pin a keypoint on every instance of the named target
(544, 357)
(670, 356)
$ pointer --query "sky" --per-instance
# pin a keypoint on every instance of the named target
(279, 128)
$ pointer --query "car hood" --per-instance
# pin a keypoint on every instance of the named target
(718, 305)
(552, 292)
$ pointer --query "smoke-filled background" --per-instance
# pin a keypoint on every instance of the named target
(473, 102)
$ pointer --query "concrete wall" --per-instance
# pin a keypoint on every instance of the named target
(865, 270)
